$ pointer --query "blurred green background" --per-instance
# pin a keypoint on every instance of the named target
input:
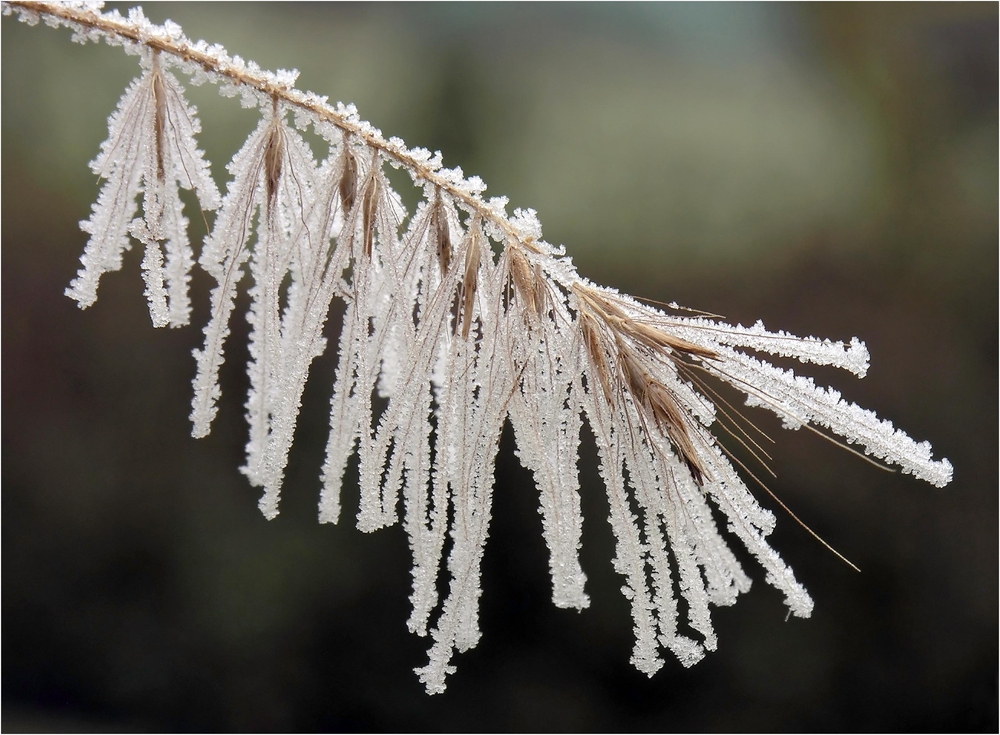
(830, 169)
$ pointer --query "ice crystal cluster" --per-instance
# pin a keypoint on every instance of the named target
(463, 318)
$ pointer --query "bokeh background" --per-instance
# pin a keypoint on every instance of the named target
(830, 169)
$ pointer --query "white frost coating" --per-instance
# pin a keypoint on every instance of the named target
(796, 399)
(545, 415)
(365, 334)
(473, 402)
(151, 149)
(852, 357)
(630, 552)
(152, 273)
(525, 221)
(225, 250)
(281, 230)
(458, 339)
(315, 273)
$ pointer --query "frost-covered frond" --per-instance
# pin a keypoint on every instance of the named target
(316, 272)
(545, 412)
(457, 319)
(271, 186)
(150, 149)
(797, 400)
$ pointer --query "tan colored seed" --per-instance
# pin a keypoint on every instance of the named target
(645, 334)
(368, 213)
(541, 294)
(527, 286)
(660, 404)
(348, 185)
(159, 116)
(274, 153)
(592, 341)
(272, 165)
(657, 339)
(470, 280)
(650, 396)
(443, 232)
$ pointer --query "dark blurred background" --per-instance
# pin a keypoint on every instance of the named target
(830, 169)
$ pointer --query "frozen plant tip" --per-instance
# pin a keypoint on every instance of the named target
(463, 318)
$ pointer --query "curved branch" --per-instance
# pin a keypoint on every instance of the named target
(270, 85)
